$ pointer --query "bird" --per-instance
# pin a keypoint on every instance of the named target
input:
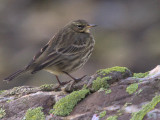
(67, 51)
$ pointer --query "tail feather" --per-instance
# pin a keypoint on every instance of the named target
(14, 75)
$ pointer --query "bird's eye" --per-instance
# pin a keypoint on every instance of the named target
(80, 26)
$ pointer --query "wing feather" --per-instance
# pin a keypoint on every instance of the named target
(37, 56)
(62, 50)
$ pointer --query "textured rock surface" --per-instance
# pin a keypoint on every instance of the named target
(114, 98)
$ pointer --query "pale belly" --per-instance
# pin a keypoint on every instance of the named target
(64, 67)
(69, 64)
(53, 70)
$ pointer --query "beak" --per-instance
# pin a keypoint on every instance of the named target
(91, 25)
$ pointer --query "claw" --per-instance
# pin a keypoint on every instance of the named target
(64, 83)
(61, 83)
(75, 79)
(79, 79)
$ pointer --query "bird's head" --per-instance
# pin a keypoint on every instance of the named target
(81, 26)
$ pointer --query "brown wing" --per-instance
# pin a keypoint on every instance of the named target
(59, 54)
(37, 56)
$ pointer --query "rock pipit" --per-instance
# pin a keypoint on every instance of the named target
(67, 51)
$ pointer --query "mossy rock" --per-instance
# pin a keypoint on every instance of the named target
(116, 73)
(2, 113)
(104, 77)
(140, 75)
(47, 87)
(2, 91)
(112, 117)
(65, 105)
(132, 88)
(34, 114)
(146, 108)
(100, 83)
(23, 90)
(112, 69)
(102, 114)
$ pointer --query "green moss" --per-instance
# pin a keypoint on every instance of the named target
(8, 101)
(113, 117)
(84, 86)
(126, 104)
(47, 87)
(132, 88)
(1, 91)
(139, 91)
(140, 75)
(112, 69)
(100, 83)
(20, 90)
(108, 91)
(14, 91)
(145, 109)
(119, 112)
(102, 114)
(65, 105)
(2, 113)
(35, 114)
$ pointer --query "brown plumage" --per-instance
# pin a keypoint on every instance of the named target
(66, 52)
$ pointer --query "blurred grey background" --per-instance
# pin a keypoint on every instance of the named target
(128, 34)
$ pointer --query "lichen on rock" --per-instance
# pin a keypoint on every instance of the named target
(112, 117)
(100, 83)
(2, 113)
(112, 69)
(105, 77)
(108, 91)
(65, 105)
(140, 75)
(2, 91)
(47, 87)
(102, 114)
(34, 114)
(145, 109)
(22, 90)
(132, 88)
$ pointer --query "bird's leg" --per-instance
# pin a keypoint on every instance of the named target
(75, 79)
(61, 83)
(58, 80)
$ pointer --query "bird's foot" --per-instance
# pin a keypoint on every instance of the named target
(75, 79)
(79, 79)
(64, 83)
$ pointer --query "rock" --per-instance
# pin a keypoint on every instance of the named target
(16, 108)
(114, 91)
